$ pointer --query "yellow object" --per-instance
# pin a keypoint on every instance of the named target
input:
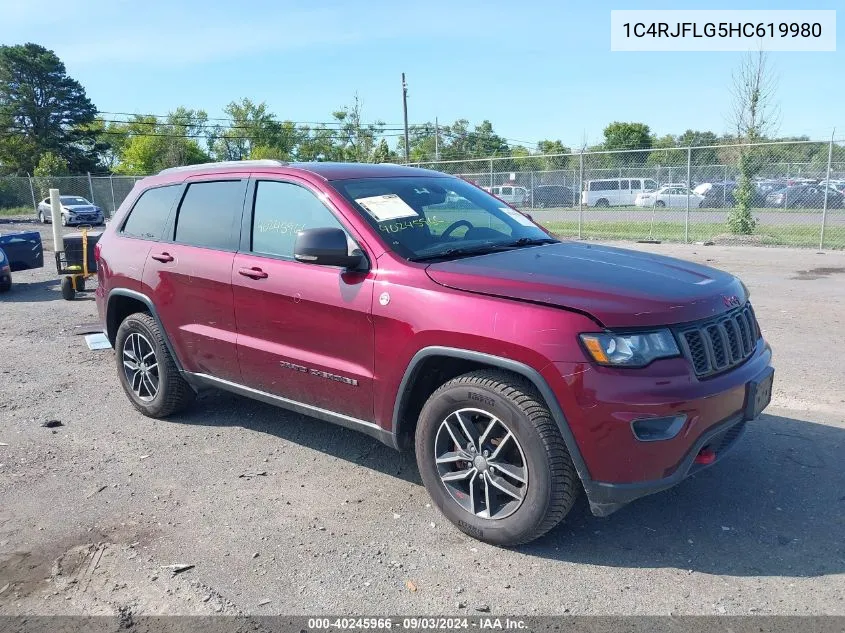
(595, 348)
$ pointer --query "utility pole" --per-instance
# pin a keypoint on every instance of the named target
(436, 139)
(405, 110)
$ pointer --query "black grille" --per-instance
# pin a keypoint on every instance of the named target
(719, 344)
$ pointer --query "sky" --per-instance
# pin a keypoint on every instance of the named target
(537, 69)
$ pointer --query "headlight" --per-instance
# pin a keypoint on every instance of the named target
(630, 350)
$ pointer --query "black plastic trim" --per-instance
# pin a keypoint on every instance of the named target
(132, 294)
(355, 424)
(607, 498)
(504, 363)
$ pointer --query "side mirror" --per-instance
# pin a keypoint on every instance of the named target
(325, 247)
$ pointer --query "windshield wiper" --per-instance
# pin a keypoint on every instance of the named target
(488, 248)
(458, 252)
(530, 241)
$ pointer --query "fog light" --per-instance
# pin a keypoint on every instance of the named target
(656, 429)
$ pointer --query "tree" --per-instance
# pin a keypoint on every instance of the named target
(48, 167)
(554, 162)
(355, 139)
(754, 117)
(627, 136)
(42, 109)
(152, 145)
(252, 126)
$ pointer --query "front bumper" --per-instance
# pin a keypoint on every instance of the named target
(601, 405)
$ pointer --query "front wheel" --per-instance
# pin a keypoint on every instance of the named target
(660, 204)
(64, 220)
(493, 460)
(41, 217)
(146, 369)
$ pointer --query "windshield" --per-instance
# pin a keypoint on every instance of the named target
(73, 200)
(428, 217)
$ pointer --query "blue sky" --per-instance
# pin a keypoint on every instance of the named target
(537, 68)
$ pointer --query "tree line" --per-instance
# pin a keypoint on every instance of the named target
(49, 126)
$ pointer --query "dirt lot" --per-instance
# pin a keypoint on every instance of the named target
(284, 514)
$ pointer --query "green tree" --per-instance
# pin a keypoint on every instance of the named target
(555, 162)
(50, 166)
(754, 116)
(42, 109)
(152, 145)
(627, 136)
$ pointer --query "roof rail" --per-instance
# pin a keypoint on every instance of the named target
(269, 162)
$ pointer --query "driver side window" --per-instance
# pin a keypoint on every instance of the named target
(282, 209)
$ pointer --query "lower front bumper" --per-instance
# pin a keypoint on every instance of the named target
(606, 498)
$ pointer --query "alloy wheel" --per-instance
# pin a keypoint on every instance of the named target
(140, 366)
(481, 463)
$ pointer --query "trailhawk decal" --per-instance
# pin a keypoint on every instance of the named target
(319, 373)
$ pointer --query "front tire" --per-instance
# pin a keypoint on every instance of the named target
(660, 204)
(42, 218)
(493, 460)
(146, 369)
(64, 220)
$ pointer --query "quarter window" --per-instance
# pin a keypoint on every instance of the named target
(282, 209)
(149, 215)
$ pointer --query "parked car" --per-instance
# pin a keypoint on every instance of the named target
(522, 368)
(75, 211)
(805, 196)
(611, 192)
(511, 194)
(5, 273)
(669, 197)
(23, 249)
(554, 196)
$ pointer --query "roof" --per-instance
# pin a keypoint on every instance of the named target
(345, 171)
(328, 171)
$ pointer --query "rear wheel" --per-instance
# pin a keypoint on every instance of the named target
(146, 369)
(493, 460)
(68, 292)
(602, 202)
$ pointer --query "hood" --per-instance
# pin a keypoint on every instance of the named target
(618, 287)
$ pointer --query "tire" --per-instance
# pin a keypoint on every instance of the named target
(64, 220)
(68, 293)
(41, 217)
(6, 286)
(172, 394)
(550, 483)
(80, 284)
(660, 204)
(602, 202)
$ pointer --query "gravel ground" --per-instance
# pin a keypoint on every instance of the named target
(283, 514)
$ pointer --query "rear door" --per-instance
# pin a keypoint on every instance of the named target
(189, 274)
(304, 331)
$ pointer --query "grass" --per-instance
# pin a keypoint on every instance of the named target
(779, 235)
(16, 211)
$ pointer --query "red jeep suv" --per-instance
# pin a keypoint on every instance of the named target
(417, 308)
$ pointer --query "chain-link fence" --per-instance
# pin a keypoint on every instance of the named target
(21, 196)
(784, 193)
(770, 193)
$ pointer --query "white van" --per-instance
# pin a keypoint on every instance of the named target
(510, 194)
(615, 192)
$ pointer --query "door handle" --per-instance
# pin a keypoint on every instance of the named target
(253, 273)
(163, 257)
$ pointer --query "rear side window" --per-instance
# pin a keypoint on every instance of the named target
(149, 215)
(604, 185)
(636, 184)
(209, 213)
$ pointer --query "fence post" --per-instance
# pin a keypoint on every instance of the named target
(91, 188)
(113, 202)
(491, 174)
(686, 217)
(32, 193)
(580, 192)
(532, 188)
(826, 188)
(725, 187)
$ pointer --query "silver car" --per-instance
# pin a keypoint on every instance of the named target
(75, 211)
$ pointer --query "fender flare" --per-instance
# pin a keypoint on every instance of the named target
(138, 296)
(529, 373)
